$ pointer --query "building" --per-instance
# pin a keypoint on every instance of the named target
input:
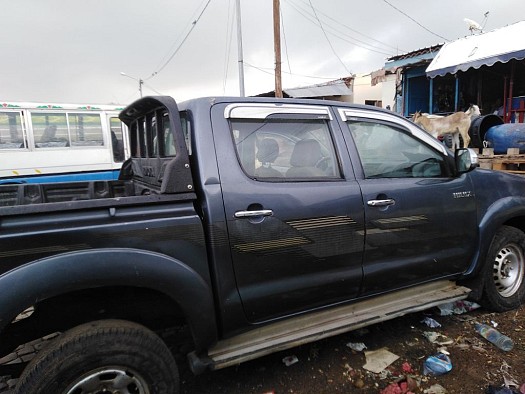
(486, 69)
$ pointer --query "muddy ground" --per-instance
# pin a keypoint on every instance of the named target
(330, 366)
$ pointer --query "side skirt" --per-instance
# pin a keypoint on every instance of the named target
(326, 323)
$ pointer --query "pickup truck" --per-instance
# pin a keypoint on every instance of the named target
(241, 227)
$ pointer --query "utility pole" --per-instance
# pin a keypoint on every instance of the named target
(277, 48)
(139, 80)
(239, 50)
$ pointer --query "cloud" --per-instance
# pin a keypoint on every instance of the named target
(74, 51)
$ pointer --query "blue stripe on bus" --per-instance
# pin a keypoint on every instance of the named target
(71, 177)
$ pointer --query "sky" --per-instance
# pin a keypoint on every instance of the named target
(73, 51)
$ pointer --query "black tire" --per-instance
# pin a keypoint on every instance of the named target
(106, 355)
(504, 271)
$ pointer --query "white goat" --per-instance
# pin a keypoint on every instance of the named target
(455, 124)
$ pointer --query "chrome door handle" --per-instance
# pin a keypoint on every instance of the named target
(381, 203)
(251, 214)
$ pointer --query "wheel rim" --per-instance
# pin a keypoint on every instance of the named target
(109, 380)
(508, 270)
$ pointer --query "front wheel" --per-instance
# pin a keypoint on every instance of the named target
(504, 275)
(106, 356)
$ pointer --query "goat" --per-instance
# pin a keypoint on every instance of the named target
(473, 111)
(456, 124)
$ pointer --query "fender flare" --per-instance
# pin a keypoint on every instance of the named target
(493, 218)
(59, 274)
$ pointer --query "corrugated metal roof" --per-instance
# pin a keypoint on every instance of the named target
(500, 45)
(416, 53)
(339, 87)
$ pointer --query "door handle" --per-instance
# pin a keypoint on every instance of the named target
(251, 214)
(381, 203)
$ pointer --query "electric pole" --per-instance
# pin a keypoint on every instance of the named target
(239, 49)
(277, 48)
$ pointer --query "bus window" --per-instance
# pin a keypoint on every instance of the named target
(117, 139)
(50, 130)
(12, 134)
(85, 130)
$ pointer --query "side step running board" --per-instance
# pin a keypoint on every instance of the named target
(314, 326)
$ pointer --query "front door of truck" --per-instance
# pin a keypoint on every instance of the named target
(293, 208)
(420, 218)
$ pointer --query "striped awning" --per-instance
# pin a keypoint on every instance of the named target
(500, 45)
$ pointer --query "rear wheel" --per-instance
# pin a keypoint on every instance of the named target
(107, 356)
(504, 276)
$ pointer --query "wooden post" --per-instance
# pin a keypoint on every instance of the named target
(277, 48)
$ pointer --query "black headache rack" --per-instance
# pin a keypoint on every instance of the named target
(159, 162)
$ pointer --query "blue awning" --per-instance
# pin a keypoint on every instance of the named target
(500, 45)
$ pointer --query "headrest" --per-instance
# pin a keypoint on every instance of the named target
(268, 150)
(306, 153)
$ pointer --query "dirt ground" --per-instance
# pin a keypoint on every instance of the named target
(330, 366)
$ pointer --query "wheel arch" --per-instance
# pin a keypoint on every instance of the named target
(60, 276)
(509, 211)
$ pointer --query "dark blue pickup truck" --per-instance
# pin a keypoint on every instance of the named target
(241, 227)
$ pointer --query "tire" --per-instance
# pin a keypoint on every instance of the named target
(504, 271)
(102, 356)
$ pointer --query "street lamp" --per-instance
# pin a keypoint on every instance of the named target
(139, 80)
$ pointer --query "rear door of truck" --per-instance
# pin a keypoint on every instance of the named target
(294, 210)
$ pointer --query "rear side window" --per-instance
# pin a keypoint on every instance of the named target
(285, 149)
(386, 151)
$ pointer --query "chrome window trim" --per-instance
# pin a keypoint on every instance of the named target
(262, 110)
(347, 113)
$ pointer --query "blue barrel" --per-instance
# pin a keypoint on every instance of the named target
(479, 127)
(504, 136)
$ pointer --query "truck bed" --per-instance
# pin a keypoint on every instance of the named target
(34, 198)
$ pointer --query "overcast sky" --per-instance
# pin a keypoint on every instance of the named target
(73, 51)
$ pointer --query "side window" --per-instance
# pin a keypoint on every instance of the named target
(117, 139)
(285, 150)
(85, 129)
(388, 152)
(50, 130)
(12, 134)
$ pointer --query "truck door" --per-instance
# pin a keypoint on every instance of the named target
(294, 210)
(420, 219)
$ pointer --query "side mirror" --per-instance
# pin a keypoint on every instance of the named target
(466, 160)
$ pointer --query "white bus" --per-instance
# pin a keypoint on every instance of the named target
(42, 143)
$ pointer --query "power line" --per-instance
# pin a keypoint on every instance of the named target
(327, 39)
(229, 39)
(310, 18)
(351, 29)
(285, 43)
(356, 31)
(412, 19)
(151, 88)
(194, 23)
(263, 69)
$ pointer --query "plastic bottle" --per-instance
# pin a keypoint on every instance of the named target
(436, 365)
(494, 336)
